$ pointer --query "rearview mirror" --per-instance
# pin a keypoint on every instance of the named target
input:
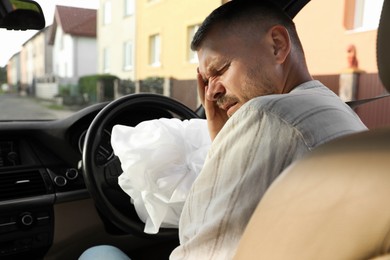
(21, 15)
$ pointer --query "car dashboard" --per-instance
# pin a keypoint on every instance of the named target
(40, 167)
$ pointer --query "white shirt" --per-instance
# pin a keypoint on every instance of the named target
(256, 144)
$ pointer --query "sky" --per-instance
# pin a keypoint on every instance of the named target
(12, 41)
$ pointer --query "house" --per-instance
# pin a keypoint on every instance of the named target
(164, 33)
(36, 62)
(152, 43)
(13, 73)
(31, 64)
(73, 37)
(116, 20)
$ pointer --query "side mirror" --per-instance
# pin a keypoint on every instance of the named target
(21, 15)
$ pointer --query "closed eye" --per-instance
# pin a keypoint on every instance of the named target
(213, 72)
(223, 69)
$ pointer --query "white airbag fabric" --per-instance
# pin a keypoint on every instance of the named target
(160, 160)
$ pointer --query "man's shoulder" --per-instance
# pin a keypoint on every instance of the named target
(304, 96)
(311, 109)
(308, 98)
(296, 108)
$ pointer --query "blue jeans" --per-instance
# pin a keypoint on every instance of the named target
(103, 252)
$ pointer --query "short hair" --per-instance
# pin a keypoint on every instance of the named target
(247, 11)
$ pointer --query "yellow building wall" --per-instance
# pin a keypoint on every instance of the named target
(321, 27)
(170, 19)
(325, 39)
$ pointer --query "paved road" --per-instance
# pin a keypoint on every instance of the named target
(13, 107)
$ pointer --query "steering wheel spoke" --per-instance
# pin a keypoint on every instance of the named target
(112, 171)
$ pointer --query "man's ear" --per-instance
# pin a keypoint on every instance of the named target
(281, 42)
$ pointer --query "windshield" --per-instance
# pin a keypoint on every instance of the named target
(30, 88)
(98, 50)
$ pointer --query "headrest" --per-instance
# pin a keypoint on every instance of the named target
(383, 43)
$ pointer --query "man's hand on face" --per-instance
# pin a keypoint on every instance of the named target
(216, 117)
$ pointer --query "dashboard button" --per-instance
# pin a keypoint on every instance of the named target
(60, 181)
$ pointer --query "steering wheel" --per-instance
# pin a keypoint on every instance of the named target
(101, 171)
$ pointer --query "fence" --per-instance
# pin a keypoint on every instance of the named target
(374, 114)
(185, 91)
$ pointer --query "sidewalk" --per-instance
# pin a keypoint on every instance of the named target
(59, 111)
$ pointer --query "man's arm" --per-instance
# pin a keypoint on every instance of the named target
(216, 117)
(242, 162)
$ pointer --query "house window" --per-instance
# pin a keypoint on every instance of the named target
(127, 55)
(192, 56)
(129, 7)
(154, 50)
(367, 13)
(106, 60)
(362, 14)
(107, 12)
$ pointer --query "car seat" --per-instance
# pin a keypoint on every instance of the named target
(335, 203)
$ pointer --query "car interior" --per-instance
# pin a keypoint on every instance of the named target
(59, 192)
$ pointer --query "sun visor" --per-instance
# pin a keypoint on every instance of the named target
(291, 7)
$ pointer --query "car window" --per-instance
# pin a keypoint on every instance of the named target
(99, 50)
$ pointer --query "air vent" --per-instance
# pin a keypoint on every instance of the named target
(21, 184)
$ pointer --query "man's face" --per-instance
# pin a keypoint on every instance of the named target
(236, 68)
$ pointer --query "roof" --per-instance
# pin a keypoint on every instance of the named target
(74, 21)
(44, 30)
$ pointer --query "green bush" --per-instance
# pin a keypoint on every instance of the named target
(126, 87)
(88, 86)
(64, 90)
(152, 84)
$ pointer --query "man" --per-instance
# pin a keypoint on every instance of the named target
(264, 111)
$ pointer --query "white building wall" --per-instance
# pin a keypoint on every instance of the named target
(39, 54)
(30, 62)
(13, 70)
(67, 57)
(46, 90)
(63, 54)
(85, 56)
(57, 52)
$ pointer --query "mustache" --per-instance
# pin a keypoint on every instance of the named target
(226, 100)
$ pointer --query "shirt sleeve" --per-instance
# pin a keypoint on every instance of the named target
(251, 150)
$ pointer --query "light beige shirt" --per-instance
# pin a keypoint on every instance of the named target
(256, 144)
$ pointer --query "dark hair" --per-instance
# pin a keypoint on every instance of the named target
(247, 11)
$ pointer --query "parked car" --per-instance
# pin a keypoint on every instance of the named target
(59, 192)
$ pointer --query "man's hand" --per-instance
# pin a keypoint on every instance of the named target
(216, 117)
